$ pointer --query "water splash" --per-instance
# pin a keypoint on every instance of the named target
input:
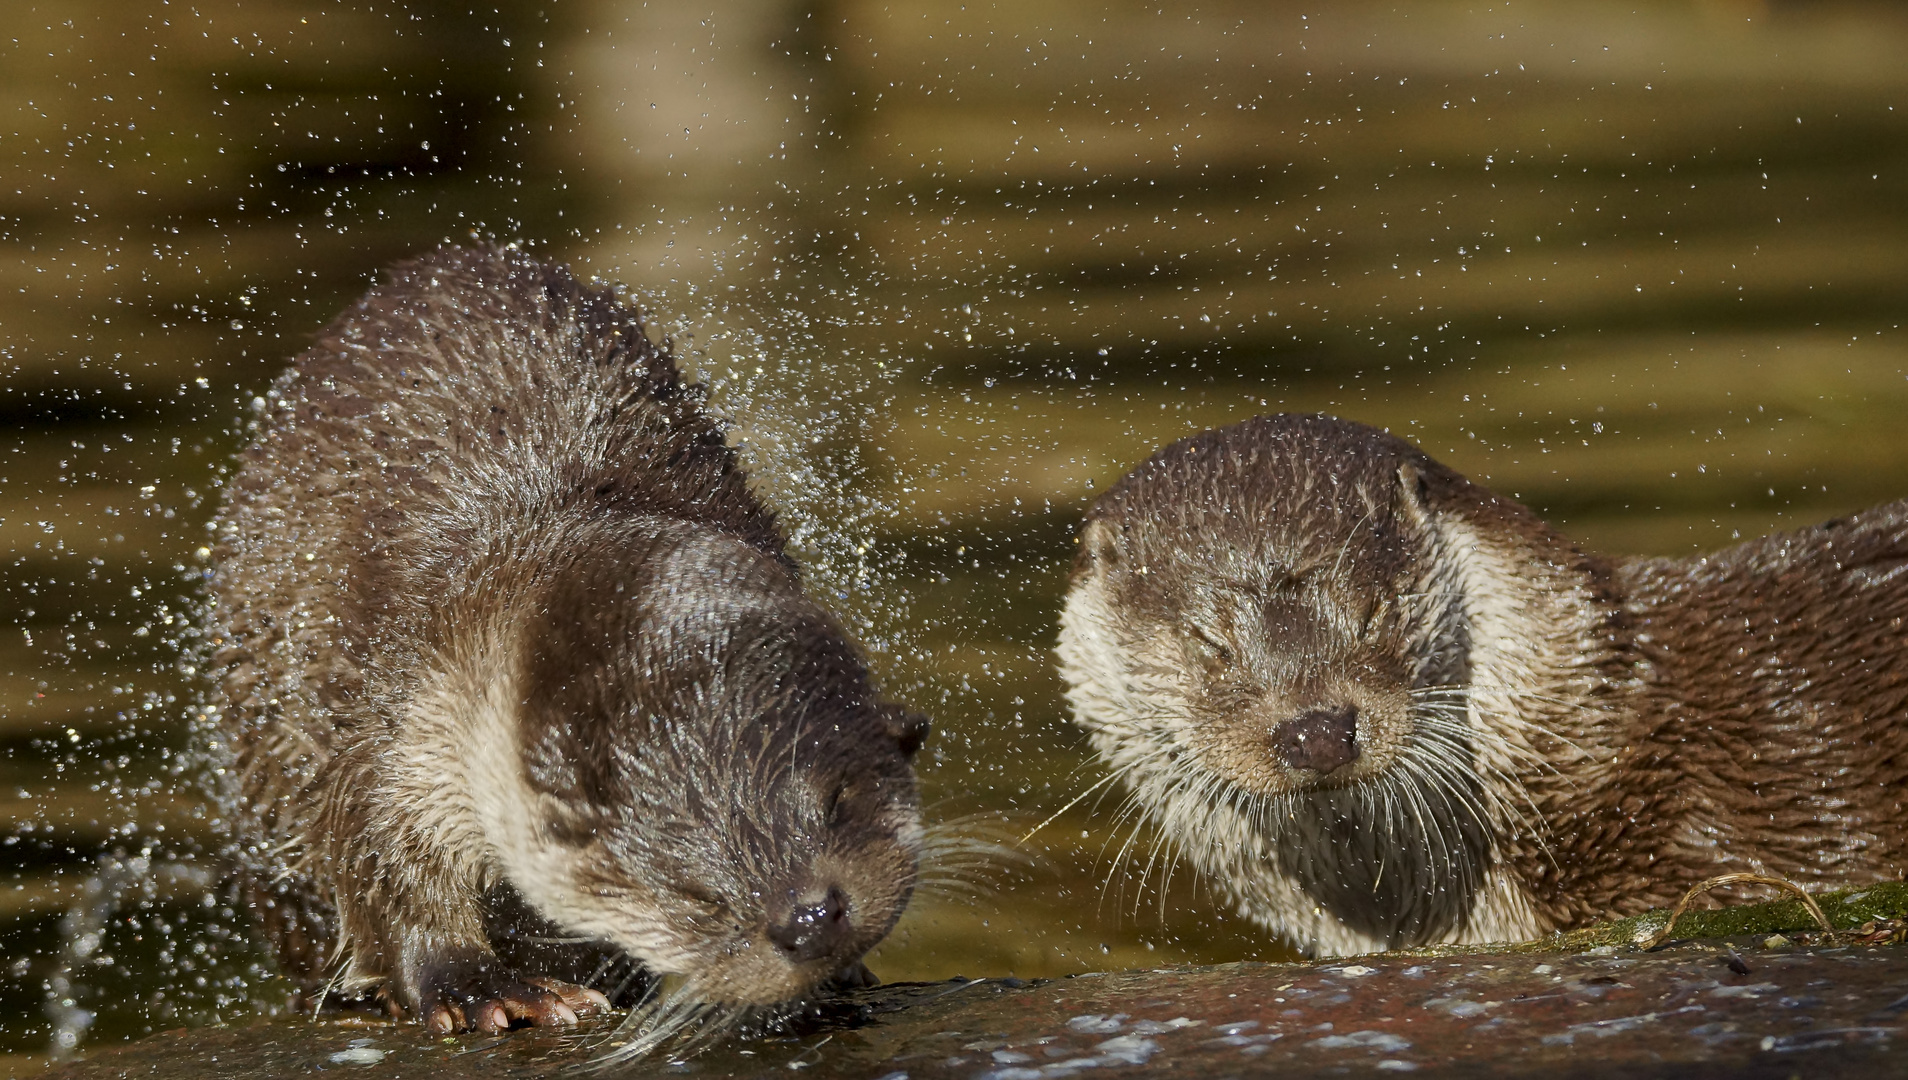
(84, 927)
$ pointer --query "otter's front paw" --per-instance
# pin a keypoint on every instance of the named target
(482, 995)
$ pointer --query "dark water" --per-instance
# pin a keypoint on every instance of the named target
(949, 270)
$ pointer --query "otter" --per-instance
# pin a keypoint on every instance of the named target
(516, 683)
(1378, 706)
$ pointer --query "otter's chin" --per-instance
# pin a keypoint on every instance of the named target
(757, 973)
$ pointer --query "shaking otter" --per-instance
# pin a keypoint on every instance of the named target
(1379, 706)
(517, 679)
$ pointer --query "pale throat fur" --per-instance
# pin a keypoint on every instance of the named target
(458, 759)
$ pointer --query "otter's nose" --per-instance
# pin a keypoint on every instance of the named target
(1321, 739)
(812, 931)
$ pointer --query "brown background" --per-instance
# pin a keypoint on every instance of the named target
(948, 269)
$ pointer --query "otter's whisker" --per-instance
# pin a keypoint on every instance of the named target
(1075, 801)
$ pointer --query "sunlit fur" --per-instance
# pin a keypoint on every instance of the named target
(1544, 737)
(509, 654)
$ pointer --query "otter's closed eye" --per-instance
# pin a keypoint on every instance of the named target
(704, 897)
(831, 808)
(1369, 622)
(569, 830)
(1216, 652)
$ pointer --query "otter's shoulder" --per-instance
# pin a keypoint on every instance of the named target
(484, 369)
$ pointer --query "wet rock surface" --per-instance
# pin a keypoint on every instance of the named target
(1711, 1008)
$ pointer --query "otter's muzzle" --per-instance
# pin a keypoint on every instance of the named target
(814, 930)
(1320, 739)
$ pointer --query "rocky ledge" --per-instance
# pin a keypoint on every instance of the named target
(1747, 991)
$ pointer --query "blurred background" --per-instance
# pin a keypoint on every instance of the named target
(948, 269)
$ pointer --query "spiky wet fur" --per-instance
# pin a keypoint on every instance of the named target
(1548, 737)
(509, 655)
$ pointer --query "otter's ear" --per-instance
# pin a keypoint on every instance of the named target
(908, 729)
(1099, 544)
(1414, 493)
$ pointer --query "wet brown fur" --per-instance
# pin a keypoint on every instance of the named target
(1653, 721)
(508, 652)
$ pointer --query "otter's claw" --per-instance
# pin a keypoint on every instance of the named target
(511, 1002)
(582, 1000)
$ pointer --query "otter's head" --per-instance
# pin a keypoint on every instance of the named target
(1266, 639)
(1275, 591)
(718, 790)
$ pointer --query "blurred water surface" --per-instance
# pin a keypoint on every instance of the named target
(949, 270)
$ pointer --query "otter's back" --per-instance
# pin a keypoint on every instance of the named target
(1776, 675)
(457, 415)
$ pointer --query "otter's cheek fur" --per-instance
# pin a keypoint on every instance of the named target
(1349, 721)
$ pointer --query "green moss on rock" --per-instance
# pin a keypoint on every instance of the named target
(1846, 910)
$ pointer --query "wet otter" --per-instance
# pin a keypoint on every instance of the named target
(515, 677)
(1380, 706)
